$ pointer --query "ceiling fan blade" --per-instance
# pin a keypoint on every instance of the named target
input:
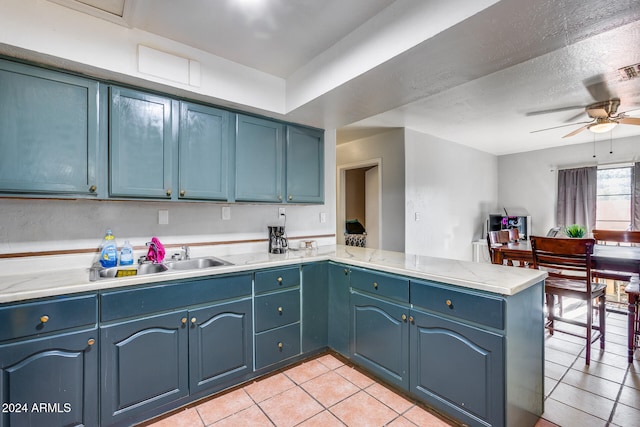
(555, 110)
(630, 121)
(597, 87)
(561, 126)
(577, 131)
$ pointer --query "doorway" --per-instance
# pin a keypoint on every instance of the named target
(360, 190)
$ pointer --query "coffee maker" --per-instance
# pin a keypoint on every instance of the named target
(278, 243)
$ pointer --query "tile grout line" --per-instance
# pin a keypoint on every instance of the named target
(615, 404)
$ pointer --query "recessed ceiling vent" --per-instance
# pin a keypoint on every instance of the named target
(111, 10)
(629, 72)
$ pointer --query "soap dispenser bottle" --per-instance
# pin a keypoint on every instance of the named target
(126, 254)
(108, 250)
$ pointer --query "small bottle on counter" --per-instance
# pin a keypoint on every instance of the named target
(126, 254)
(108, 250)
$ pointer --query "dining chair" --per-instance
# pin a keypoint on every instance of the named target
(514, 234)
(617, 238)
(496, 238)
(568, 264)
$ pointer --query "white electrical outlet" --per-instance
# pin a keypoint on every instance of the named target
(417, 216)
(226, 213)
(323, 217)
(163, 217)
(281, 212)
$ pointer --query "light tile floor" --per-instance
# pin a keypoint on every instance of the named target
(327, 392)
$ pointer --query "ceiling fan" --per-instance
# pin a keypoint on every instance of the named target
(604, 117)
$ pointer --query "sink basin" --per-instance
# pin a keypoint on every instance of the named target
(196, 263)
(141, 269)
(133, 270)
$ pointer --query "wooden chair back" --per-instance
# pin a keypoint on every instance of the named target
(514, 234)
(616, 236)
(564, 258)
(498, 237)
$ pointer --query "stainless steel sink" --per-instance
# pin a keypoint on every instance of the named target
(141, 269)
(196, 263)
(133, 270)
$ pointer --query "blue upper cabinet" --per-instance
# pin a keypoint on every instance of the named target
(140, 144)
(48, 131)
(204, 152)
(305, 165)
(259, 160)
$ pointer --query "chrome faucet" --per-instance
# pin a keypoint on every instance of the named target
(187, 252)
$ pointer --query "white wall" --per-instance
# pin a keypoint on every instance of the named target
(529, 180)
(452, 188)
(388, 146)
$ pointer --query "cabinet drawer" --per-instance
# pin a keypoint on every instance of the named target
(467, 305)
(280, 278)
(22, 320)
(277, 345)
(162, 297)
(380, 284)
(277, 309)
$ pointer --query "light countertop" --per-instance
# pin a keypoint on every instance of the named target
(480, 276)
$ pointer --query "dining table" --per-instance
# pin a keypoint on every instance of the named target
(622, 259)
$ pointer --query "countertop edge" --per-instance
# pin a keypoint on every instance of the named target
(30, 286)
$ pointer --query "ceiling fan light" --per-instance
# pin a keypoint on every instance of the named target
(602, 127)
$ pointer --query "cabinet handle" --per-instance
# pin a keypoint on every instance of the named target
(375, 285)
(290, 197)
(193, 320)
(280, 310)
(44, 319)
(184, 320)
(449, 303)
(279, 279)
(280, 345)
(92, 189)
(91, 341)
(280, 197)
(411, 319)
(169, 192)
(404, 317)
(346, 271)
(182, 193)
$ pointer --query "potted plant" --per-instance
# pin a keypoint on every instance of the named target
(575, 231)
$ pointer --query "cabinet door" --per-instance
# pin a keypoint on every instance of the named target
(220, 345)
(48, 131)
(338, 308)
(380, 337)
(259, 160)
(144, 365)
(458, 369)
(315, 299)
(141, 142)
(305, 165)
(203, 153)
(50, 381)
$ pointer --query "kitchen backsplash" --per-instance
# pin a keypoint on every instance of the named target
(41, 225)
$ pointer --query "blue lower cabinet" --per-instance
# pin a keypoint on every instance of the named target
(338, 308)
(276, 345)
(144, 365)
(380, 337)
(50, 381)
(314, 306)
(457, 369)
(220, 345)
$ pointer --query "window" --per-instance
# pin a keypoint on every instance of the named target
(613, 198)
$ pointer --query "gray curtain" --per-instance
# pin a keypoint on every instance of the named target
(635, 198)
(577, 197)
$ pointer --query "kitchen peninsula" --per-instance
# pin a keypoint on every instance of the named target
(465, 338)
